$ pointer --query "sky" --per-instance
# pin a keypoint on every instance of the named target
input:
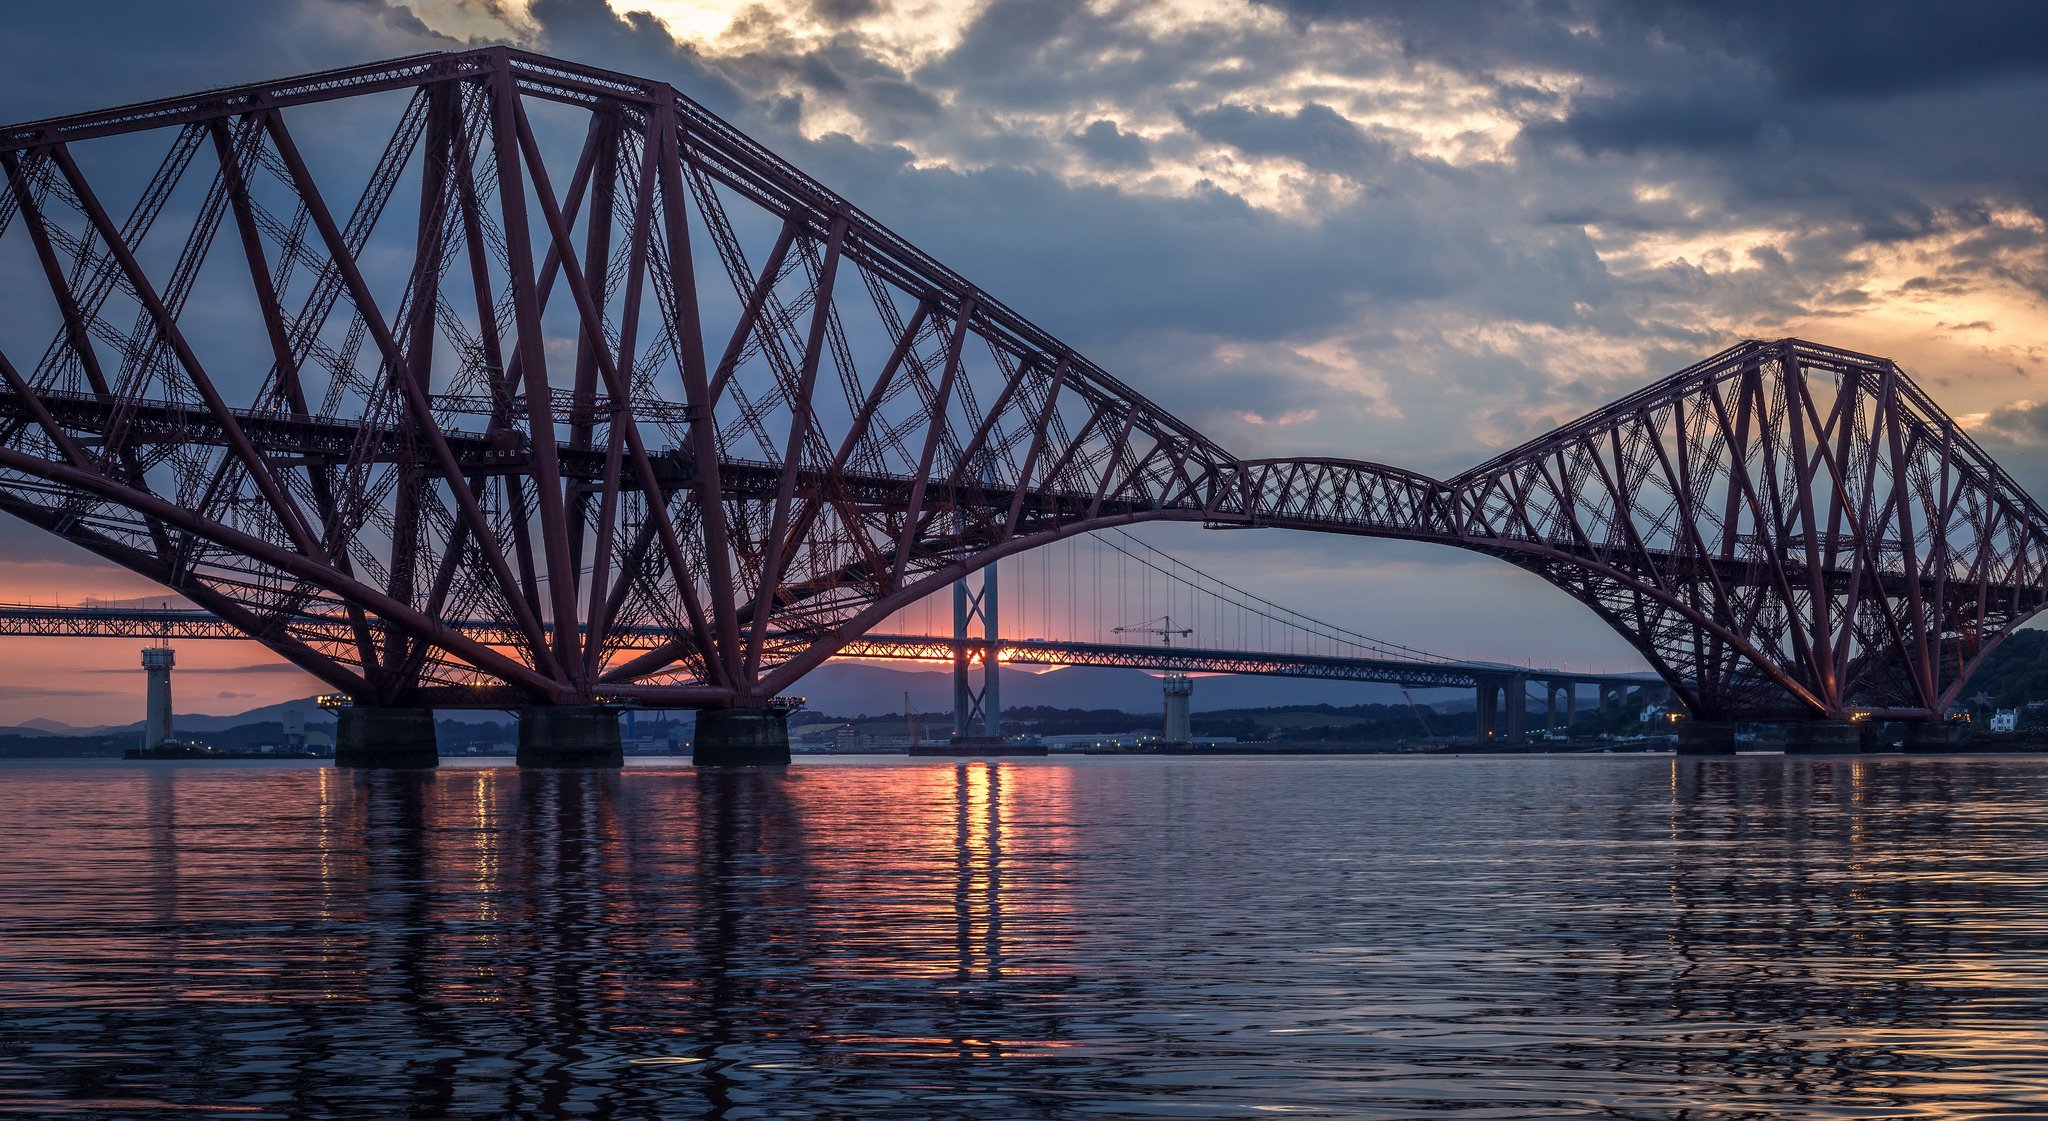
(1416, 233)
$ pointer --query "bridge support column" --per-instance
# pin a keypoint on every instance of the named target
(1706, 737)
(368, 736)
(1933, 737)
(742, 737)
(1518, 711)
(1489, 712)
(570, 736)
(1823, 737)
(1571, 705)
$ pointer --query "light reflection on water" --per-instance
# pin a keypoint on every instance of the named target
(1498, 937)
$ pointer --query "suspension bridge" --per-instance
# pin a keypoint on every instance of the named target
(1072, 591)
(569, 354)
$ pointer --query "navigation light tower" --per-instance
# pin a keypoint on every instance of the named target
(1178, 686)
(157, 661)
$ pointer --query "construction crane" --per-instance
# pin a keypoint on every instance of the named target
(1424, 721)
(1178, 687)
(1162, 626)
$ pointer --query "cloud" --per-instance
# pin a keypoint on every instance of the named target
(219, 671)
(1418, 232)
(1106, 146)
(1314, 134)
(2022, 422)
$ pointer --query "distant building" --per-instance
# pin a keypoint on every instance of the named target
(2005, 720)
(1652, 714)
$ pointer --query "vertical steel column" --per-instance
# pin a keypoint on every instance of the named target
(991, 666)
(976, 712)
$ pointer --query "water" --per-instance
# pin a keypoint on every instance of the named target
(1352, 937)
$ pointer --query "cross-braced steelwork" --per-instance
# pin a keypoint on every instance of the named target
(577, 357)
(1784, 530)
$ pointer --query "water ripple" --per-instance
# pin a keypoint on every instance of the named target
(1357, 938)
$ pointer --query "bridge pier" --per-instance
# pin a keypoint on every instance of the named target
(741, 737)
(1932, 737)
(1823, 737)
(1489, 711)
(1518, 710)
(570, 736)
(1706, 737)
(368, 736)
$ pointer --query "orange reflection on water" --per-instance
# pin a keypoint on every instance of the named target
(1758, 937)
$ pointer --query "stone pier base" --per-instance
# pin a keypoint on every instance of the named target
(1823, 737)
(1706, 737)
(742, 737)
(1932, 737)
(366, 736)
(570, 736)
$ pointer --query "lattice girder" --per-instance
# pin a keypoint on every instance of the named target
(577, 357)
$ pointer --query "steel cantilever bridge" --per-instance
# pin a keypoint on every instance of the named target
(567, 352)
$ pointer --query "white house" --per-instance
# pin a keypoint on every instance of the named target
(2005, 720)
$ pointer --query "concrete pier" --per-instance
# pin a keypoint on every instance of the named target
(1706, 737)
(368, 736)
(1823, 737)
(1932, 737)
(742, 737)
(570, 736)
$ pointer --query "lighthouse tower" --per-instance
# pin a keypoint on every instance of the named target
(1178, 687)
(156, 726)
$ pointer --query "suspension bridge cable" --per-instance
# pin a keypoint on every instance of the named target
(1287, 617)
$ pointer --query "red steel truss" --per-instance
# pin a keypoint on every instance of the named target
(578, 357)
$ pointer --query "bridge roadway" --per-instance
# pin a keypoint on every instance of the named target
(1492, 681)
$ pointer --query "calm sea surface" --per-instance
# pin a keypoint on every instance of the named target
(1359, 937)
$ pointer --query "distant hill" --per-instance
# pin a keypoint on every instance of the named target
(58, 727)
(2016, 672)
(864, 688)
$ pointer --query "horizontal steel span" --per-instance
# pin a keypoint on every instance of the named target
(1195, 659)
(185, 624)
(572, 354)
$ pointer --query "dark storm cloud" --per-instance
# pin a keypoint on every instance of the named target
(1815, 48)
(1093, 262)
(843, 11)
(1314, 134)
(64, 58)
(2023, 422)
(1106, 146)
(1847, 127)
(635, 43)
